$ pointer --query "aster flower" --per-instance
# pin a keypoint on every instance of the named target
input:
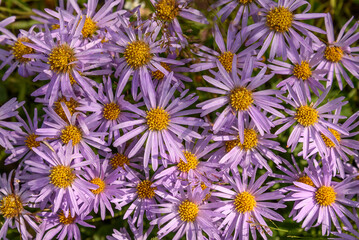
(311, 120)
(107, 189)
(25, 140)
(161, 125)
(56, 175)
(246, 9)
(246, 204)
(77, 131)
(336, 56)
(187, 213)
(240, 98)
(167, 11)
(8, 110)
(63, 58)
(324, 202)
(137, 52)
(13, 199)
(228, 51)
(255, 148)
(279, 24)
(59, 225)
(300, 69)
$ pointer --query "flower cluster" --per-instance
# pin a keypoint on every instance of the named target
(120, 135)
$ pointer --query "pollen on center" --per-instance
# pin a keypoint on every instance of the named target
(333, 53)
(192, 162)
(111, 111)
(279, 19)
(62, 176)
(241, 99)
(250, 141)
(302, 70)
(144, 190)
(327, 140)
(244, 202)
(100, 183)
(62, 59)
(137, 54)
(157, 119)
(119, 160)
(325, 196)
(19, 50)
(188, 211)
(167, 10)
(69, 133)
(306, 115)
(71, 105)
(11, 206)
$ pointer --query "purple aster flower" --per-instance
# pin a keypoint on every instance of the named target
(24, 140)
(167, 11)
(108, 188)
(64, 58)
(8, 110)
(324, 202)
(246, 204)
(137, 50)
(240, 97)
(13, 199)
(246, 9)
(255, 148)
(59, 225)
(187, 213)
(337, 56)
(56, 175)
(228, 51)
(161, 125)
(300, 70)
(77, 131)
(279, 24)
(311, 120)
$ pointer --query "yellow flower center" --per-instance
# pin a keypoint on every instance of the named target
(244, 202)
(137, 54)
(19, 50)
(61, 59)
(306, 116)
(71, 133)
(279, 19)
(100, 183)
(167, 10)
(245, 1)
(226, 60)
(157, 119)
(325, 196)
(327, 140)
(306, 180)
(192, 162)
(66, 220)
(55, 26)
(144, 190)
(241, 99)
(250, 141)
(302, 70)
(31, 142)
(333, 53)
(62, 176)
(160, 75)
(188, 211)
(71, 104)
(89, 28)
(203, 186)
(111, 111)
(11, 206)
(119, 160)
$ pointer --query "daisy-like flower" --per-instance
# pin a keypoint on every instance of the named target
(167, 11)
(246, 9)
(13, 199)
(63, 58)
(337, 57)
(196, 170)
(137, 50)
(255, 149)
(56, 175)
(339, 153)
(8, 110)
(107, 189)
(77, 131)
(310, 120)
(25, 140)
(246, 204)
(187, 213)
(228, 51)
(161, 125)
(240, 97)
(324, 202)
(301, 69)
(279, 24)
(142, 192)
(61, 226)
